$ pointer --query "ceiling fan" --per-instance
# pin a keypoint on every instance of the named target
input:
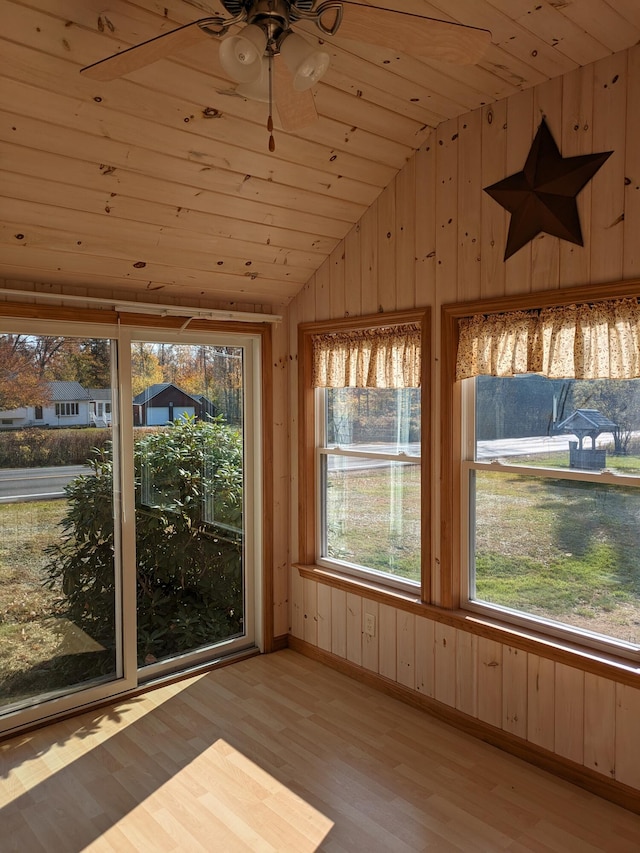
(248, 57)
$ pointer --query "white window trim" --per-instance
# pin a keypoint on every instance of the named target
(321, 449)
(505, 614)
(49, 707)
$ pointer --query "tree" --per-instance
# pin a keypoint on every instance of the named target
(616, 399)
(85, 360)
(145, 368)
(20, 383)
(188, 541)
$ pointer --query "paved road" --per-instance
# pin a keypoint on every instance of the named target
(37, 484)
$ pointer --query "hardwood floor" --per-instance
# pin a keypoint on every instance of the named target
(280, 753)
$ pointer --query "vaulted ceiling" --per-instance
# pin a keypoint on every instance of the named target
(162, 181)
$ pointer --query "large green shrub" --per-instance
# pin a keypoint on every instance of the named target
(188, 541)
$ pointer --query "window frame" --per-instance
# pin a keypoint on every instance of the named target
(120, 327)
(309, 534)
(455, 464)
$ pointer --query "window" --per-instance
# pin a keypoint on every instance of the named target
(66, 410)
(363, 421)
(106, 592)
(550, 485)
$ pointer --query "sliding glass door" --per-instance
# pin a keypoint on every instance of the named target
(190, 454)
(59, 561)
(129, 509)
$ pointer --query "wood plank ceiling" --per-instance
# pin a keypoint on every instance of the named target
(162, 183)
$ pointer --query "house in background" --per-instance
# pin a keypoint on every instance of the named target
(69, 405)
(100, 407)
(164, 402)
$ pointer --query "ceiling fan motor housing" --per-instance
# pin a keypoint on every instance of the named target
(273, 16)
(234, 7)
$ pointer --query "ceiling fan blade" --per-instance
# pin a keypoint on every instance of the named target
(413, 34)
(297, 110)
(150, 51)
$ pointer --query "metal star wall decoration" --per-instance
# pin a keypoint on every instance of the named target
(542, 197)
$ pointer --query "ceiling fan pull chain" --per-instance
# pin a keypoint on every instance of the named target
(272, 142)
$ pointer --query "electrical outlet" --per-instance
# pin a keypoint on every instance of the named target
(370, 624)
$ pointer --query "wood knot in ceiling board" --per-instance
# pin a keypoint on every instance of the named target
(107, 170)
(211, 112)
(140, 265)
(105, 24)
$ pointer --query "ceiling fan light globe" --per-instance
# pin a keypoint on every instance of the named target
(305, 62)
(241, 55)
(258, 89)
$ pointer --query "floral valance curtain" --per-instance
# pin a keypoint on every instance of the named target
(385, 357)
(595, 341)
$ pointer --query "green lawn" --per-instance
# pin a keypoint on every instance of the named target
(39, 650)
(564, 550)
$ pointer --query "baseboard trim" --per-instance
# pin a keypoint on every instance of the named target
(609, 789)
(279, 643)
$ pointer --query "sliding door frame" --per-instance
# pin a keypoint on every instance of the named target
(121, 328)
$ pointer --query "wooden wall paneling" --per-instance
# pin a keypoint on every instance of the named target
(494, 218)
(609, 111)
(293, 316)
(467, 673)
(281, 497)
(514, 691)
(569, 714)
(322, 280)
(337, 294)
(425, 225)
(427, 295)
(325, 620)
(631, 228)
(577, 139)
(490, 680)
(387, 630)
(406, 650)
(354, 628)
(310, 599)
(540, 701)
(369, 260)
(600, 724)
(446, 203)
(425, 656)
(446, 288)
(545, 249)
(627, 756)
(352, 273)
(405, 278)
(386, 237)
(306, 300)
(369, 642)
(520, 134)
(297, 604)
(445, 664)
(339, 622)
(469, 204)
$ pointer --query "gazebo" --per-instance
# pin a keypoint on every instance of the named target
(585, 423)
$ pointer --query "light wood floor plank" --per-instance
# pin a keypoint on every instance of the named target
(280, 754)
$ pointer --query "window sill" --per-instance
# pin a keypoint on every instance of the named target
(620, 669)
